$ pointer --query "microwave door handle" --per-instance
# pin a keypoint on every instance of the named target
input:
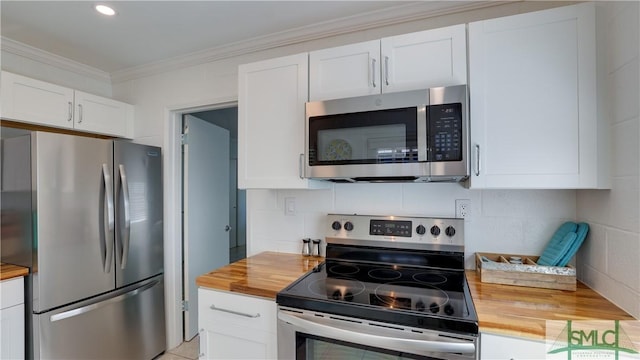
(415, 345)
(301, 166)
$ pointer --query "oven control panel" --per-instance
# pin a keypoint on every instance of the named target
(401, 229)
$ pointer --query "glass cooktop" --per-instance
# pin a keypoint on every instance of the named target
(423, 297)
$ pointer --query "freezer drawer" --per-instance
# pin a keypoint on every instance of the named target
(126, 324)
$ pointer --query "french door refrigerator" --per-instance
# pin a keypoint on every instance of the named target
(97, 278)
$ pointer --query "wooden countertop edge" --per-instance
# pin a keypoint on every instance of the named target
(10, 271)
(526, 320)
(265, 274)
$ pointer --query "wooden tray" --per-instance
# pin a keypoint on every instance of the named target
(500, 271)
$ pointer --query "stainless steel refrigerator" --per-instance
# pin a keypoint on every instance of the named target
(97, 286)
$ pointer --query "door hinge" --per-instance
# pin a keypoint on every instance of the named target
(185, 305)
(184, 138)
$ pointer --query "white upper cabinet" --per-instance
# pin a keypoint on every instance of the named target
(345, 71)
(533, 101)
(102, 115)
(35, 101)
(271, 113)
(425, 59)
(38, 102)
(430, 58)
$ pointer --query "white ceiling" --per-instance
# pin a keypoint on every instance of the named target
(148, 32)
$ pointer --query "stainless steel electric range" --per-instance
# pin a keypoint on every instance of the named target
(390, 288)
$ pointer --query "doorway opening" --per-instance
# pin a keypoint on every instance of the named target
(213, 209)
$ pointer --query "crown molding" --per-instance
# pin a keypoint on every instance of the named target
(403, 13)
(45, 57)
(400, 14)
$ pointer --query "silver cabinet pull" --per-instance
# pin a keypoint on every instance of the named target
(253, 316)
(386, 70)
(124, 187)
(373, 72)
(477, 160)
(108, 231)
(79, 113)
(70, 111)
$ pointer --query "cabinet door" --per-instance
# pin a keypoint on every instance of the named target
(103, 116)
(345, 71)
(12, 319)
(533, 100)
(431, 58)
(36, 101)
(234, 326)
(497, 347)
(271, 117)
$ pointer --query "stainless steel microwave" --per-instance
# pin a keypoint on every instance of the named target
(417, 136)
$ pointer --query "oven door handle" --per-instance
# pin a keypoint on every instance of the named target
(380, 341)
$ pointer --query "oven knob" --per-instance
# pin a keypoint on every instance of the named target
(448, 309)
(421, 230)
(435, 230)
(336, 295)
(336, 225)
(348, 226)
(348, 296)
(434, 308)
(450, 231)
(420, 306)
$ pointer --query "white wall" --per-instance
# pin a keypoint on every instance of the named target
(508, 221)
(609, 261)
(91, 81)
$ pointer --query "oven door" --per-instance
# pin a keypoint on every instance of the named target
(307, 335)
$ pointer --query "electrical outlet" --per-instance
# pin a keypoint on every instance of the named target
(463, 208)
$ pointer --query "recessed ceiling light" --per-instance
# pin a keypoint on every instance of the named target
(105, 10)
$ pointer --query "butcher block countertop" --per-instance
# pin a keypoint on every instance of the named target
(502, 309)
(522, 311)
(262, 275)
(10, 271)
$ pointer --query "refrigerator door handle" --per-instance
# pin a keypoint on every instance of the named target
(95, 306)
(109, 229)
(124, 254)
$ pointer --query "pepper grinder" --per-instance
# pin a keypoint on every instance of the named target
(306, 247)
(316, 247)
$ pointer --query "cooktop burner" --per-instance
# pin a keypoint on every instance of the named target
(416, 285)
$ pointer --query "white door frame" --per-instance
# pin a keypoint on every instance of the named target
(172, 176)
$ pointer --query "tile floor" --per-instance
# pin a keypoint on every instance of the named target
(188, 350)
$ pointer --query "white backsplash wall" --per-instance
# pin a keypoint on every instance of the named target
(509, 221)
(609, 261)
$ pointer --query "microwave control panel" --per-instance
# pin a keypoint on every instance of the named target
(445, 132)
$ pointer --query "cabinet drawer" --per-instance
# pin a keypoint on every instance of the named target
(236, 311)
(11, 292)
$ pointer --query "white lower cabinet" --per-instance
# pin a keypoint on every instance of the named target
(12, 319)
(499, 347)
(235, 326)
